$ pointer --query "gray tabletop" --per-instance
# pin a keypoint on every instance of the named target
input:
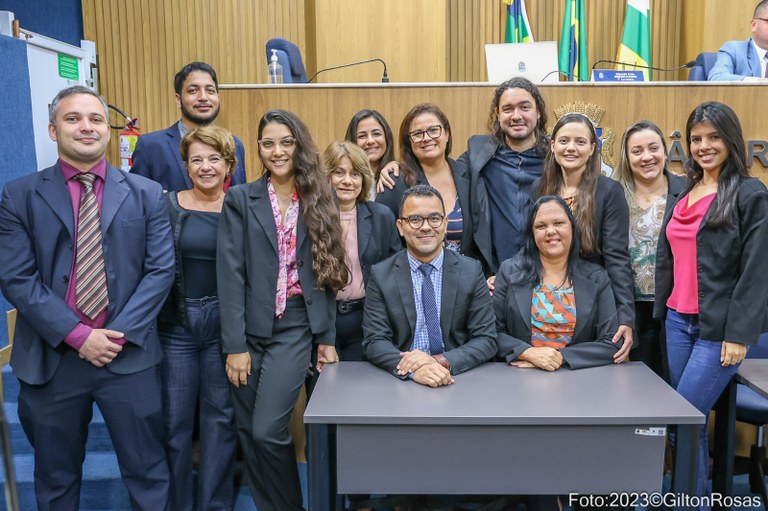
(498, 394)
(753, 372)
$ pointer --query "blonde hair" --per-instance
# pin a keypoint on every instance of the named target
(337, 150)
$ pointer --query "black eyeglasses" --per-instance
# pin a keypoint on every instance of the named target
(761, 19)
(434, 220)
(432, 132)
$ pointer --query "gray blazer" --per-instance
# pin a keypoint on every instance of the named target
(466, 317)
(596, 320)
(247, 267)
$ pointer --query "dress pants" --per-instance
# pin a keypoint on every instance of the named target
(651, 340)
(349, 336)
(55, 418)
(193, 372)
(263, 409)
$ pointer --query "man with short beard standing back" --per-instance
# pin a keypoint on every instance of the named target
(157, 154)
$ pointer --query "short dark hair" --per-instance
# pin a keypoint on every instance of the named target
(178, 80)
(518, 82)
(760, 5)
(53, 108)
(420, 191)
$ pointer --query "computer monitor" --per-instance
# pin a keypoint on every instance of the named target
(535, 61)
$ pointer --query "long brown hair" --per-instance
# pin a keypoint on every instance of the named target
(320, 214)
(552, 184)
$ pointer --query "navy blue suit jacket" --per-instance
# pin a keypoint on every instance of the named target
(37, 239)
(157, 157)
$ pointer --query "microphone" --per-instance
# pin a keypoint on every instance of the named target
(384, 77)
(567, 75)
(687, 65)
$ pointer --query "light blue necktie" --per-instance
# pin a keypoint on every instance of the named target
(431, 316)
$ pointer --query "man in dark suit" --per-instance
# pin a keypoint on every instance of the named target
(745, 60)
(157, 155)
(86, 257)
(428, 311)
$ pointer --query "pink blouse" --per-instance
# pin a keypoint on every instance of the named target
(681, 233)
(355, 288)
(288, 273)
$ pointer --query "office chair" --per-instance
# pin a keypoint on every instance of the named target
(700, 70)
(752, 408)
(288, 56)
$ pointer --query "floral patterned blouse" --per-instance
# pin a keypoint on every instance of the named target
(288, 284)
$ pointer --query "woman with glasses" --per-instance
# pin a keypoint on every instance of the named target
(425, 144)
(572, 171)
(369, 235)
(189, 327)
(280, 263)
(371, 132)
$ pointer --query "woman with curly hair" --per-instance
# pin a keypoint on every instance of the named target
(280, 263)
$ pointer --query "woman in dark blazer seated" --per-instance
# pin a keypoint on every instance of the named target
(651, 190)
(712, 276)
(552, 308)
(425, 144)
(280, 262)
(369, 236)
(572, 171)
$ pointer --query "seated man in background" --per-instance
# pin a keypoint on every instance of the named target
(745, 60)
(428, 311)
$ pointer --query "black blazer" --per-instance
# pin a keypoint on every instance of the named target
(596, 320)
(247, 266)
(377, 236)
(391, 199)
(732, 270)
(466, 317)
(612, 229)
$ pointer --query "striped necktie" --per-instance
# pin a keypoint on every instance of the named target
(91, 283)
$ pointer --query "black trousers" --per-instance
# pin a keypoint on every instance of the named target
(263, 409)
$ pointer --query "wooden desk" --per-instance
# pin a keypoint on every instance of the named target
(498, 430)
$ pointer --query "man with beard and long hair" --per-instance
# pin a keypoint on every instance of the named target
(157, 154)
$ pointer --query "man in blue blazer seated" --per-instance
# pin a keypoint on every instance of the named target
(157, 154)
(428, 313)
(86, 257)
(745, 60)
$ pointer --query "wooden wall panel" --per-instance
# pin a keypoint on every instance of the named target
(143, 43)
(409, 35)
(472, 25)
(327, 110)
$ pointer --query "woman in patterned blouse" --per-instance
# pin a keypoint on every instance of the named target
(651, 189)
(572, 314)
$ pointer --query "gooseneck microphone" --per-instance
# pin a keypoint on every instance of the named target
(687, 65)
(384, 78)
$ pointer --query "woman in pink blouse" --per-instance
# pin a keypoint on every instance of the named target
(712, 273)
(280, 262)
(369, 236)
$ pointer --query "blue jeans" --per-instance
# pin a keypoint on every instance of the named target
(697, 374)
(192, 372)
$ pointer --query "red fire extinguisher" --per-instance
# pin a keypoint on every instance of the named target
(128, 138)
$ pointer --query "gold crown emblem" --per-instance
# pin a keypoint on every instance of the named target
(595, 114)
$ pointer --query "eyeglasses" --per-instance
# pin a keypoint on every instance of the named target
(198, 161)
(761, 19)
(267, 144)
(341, 174)
(434, 220)
(432, 132)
